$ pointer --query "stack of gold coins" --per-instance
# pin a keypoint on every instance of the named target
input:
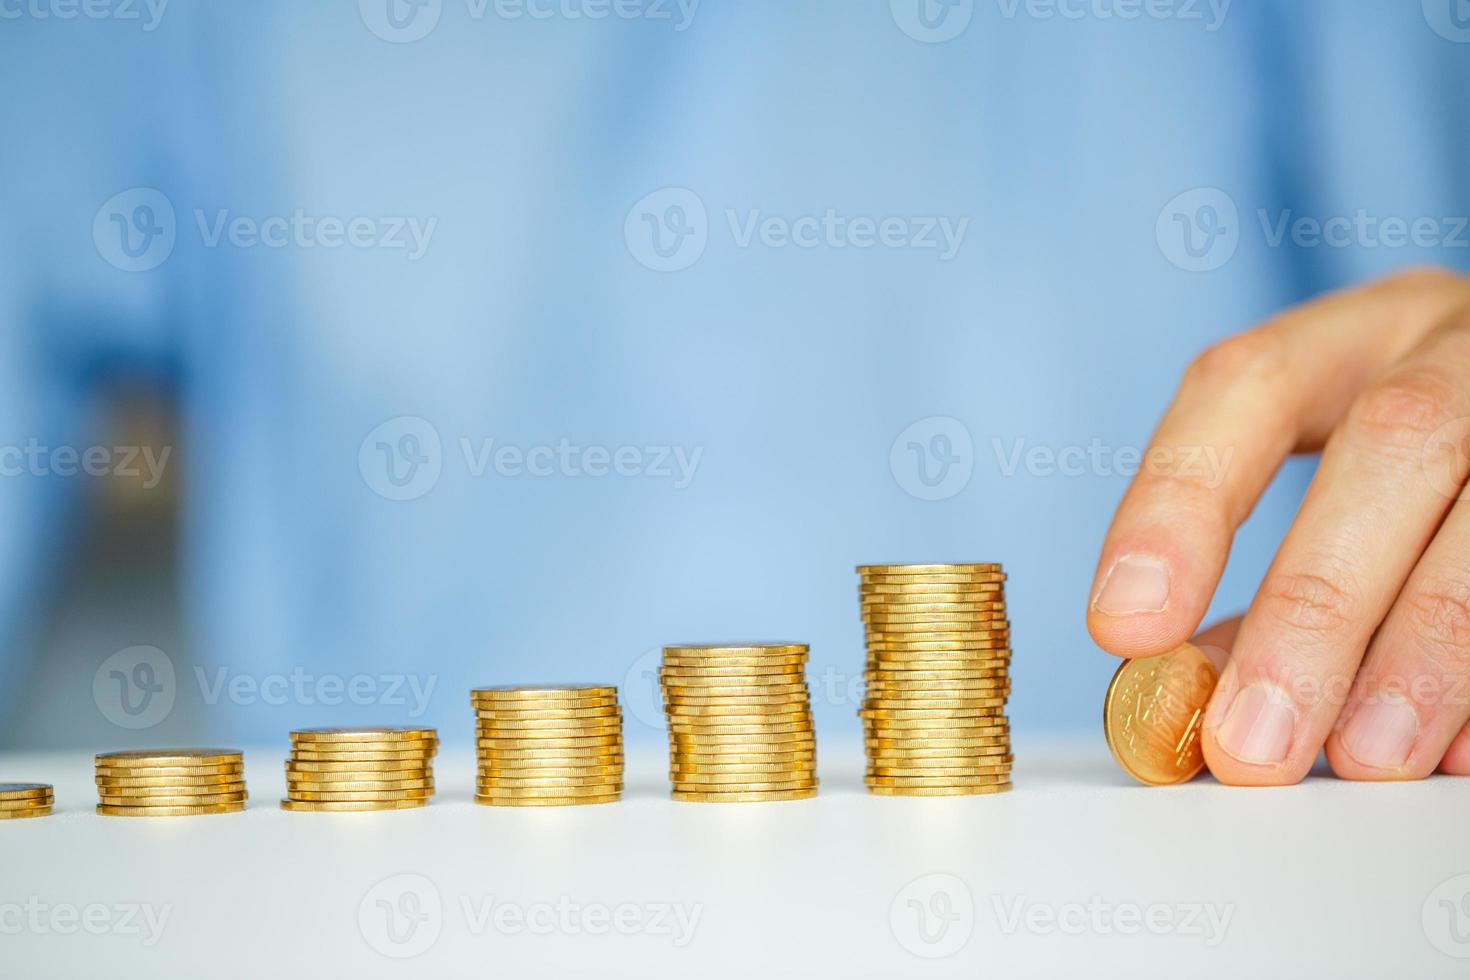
(350, 769)
(938, 678)
(19, 800)
(170, 782)
(548, 745)
(740, 722)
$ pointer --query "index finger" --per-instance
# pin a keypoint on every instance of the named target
(1243, 406)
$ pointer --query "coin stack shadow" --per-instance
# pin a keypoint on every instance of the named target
(740, 722)
(548, 745)
(336, 770)
(170, 782)
(21, 800)
(937, 673)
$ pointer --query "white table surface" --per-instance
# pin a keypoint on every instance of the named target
(1056, 878)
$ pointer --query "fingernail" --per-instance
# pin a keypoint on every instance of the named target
(1381, 734)
(1259, 726)
(1135, 584)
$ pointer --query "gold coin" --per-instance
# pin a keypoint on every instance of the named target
(27, 804)
(590, 741)
(901, 713)
(684, 705)
(721, 688)
(362, 757)
(549, 772)
(593, 755)
(991, 743)
(926, 629)
(110, 810)
(923, 591)
(558, 801)
(738, 714)
(912, 781)
(169, 772)
(936, 581)
(983, 603)
(931, 569)
(898, 709)
(940, 790)
(25, 791)
(734, 649)
(690, 796)
(391, 734)
(540, 724)
(366, 796)
(414, 765)
(171, 789)
(165, 782)
(543, 692)
(352, 806)
(727, 747)
(918, 747)
(732, 661)
(213, 799)
(553, 735)
(934, 662)
(941, 689)
(535, 725)
(678, 767)
(967, 617)
(1153, 712)
(39, 811)
(740, 734)
(716, 760)
(170, 758)
(1002, 764)
(540, 792)
(423, 746)
(754, 673)
(548, 714)
(544, 790)
(742, 782)
(297, 788)
(896, 657)
(513, 779)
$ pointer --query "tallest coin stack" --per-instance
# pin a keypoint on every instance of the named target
(937, 673)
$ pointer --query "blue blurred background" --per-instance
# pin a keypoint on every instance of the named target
(426, 344)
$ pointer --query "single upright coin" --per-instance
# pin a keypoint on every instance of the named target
(1153, 713)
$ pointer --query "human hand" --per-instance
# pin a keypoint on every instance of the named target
(1359, 636)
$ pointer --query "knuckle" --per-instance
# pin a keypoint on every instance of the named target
(1438, 617)
(1241, 358)
(1319, 602)
(1400, 413)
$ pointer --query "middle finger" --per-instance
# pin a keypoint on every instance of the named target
(1366, 520)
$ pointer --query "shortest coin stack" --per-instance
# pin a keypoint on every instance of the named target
(548, 745)
(353, 769)
(20, 800)
(170, 782)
